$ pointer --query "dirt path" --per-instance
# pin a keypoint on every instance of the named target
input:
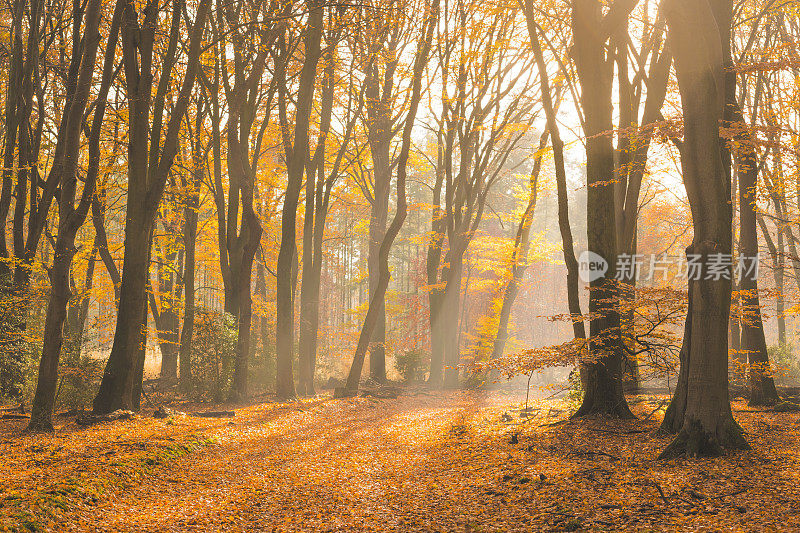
(428, 462)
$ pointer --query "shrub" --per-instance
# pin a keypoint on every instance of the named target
(213, 353)
(409, 365)
(787, 367)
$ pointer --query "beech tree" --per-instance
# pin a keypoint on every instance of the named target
(151, 153)
(594, 61)
(421, 58)
(297, 150)
(321, 176)
(478, 128)
(700, 411)
(70, 217)
(567, 241)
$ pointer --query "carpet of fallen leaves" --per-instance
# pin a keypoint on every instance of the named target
(422, 462)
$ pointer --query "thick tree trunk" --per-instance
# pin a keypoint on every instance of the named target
(118, 383)
(699, 32)
(245, 320)
(148, 171)
(449, 313)
(43, 402)
(604, 372)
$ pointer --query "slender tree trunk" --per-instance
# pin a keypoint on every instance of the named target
(296, 151)
(261, 288)
(70, 218)
(370, 320)
(191, 214)
(754, 344)
(165, 316)
(305, 372)
(435, 291)
(567, 241)
(190, 246)
(778, 266)
(520, 255)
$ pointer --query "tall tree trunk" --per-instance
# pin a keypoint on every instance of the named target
(78, 311)
(296, 154)
(148, 171)
(191, 215)
(70, 218)
(435, 291)
(261, 289)
(379, 214)
(519, 257)
(778, 266)
(700, 409)
(165, 315)
(190, 246)
(604, 371)
(567, 242)
(449, 312)
(754, 344)
(371, 319)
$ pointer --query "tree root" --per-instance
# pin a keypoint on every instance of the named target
(694, 441)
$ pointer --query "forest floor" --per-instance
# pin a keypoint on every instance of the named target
(422, 462)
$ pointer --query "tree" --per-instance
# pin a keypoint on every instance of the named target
(478, 128)
(247, 96)
(297, 151)
(321, 176)
(594, 63)
(421, 58)
(700, 411)
(70, 217)
(573, 296)
(150, 159)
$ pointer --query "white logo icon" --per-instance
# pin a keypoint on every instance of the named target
(591, 266)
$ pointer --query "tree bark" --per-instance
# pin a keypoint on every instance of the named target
(370, 320)
(700, 409)
(754, 344)
(296, 153)
(604, 372)
(148, 171)
(519, 257)
(71, 219)
(567, 241)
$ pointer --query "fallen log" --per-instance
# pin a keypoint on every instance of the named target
(90, 419)
(213, 414)
(14, 416)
